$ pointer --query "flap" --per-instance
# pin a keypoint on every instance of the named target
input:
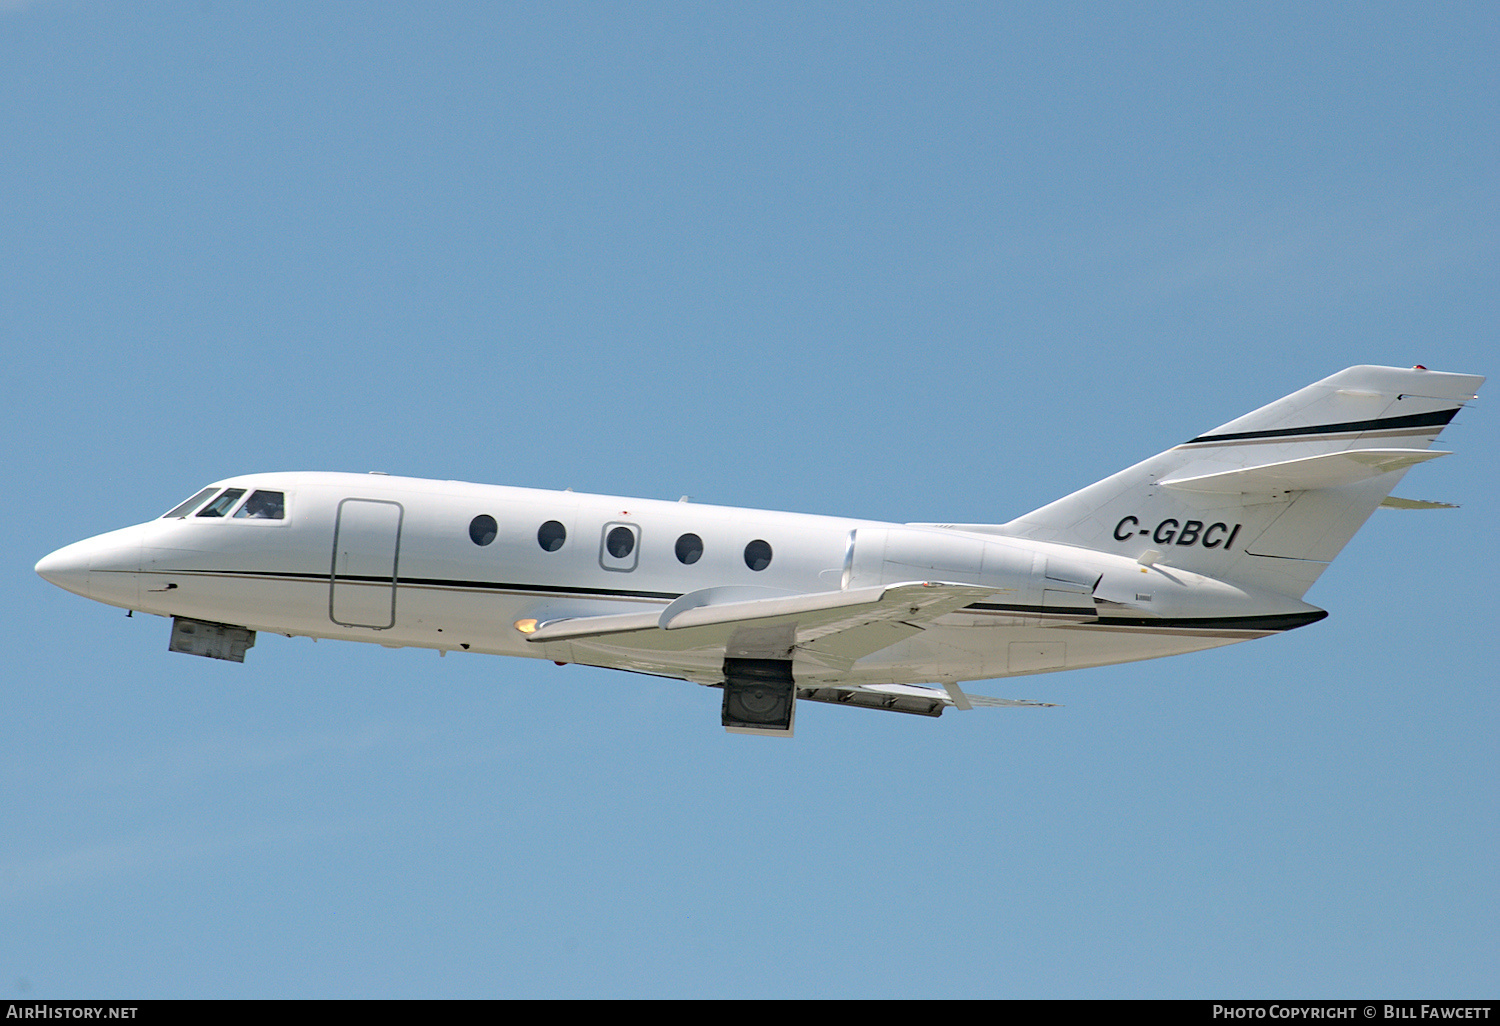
(907, 698)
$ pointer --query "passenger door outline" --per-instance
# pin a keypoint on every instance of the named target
(366, 555)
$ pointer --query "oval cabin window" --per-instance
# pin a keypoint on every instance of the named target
(482, 529)
(619, 542)
(757, 555)
(689, 549)
(551, 535)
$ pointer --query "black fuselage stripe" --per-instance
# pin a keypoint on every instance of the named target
(1437, 419)
(1273, 622)
(432, 582)
(1264, 622)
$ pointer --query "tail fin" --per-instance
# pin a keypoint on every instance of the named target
(1271, 498)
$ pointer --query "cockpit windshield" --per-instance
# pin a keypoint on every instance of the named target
(190, 505)
(222, 504)
(262, 505)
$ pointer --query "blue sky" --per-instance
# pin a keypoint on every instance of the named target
(907, 262)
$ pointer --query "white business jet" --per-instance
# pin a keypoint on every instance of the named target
(1211, 542)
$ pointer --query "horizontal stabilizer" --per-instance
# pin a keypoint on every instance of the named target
(984, 701)
(1393, 502)
(1326, 471)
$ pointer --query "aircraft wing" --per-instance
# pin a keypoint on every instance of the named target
(836, 628)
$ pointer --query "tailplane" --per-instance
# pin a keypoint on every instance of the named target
(1271, 498)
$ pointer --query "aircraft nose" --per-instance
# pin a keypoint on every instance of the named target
(68, 568)
(105, 568)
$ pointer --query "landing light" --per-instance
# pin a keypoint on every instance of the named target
(525, 626)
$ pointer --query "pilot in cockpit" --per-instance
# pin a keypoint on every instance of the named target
(263, 505)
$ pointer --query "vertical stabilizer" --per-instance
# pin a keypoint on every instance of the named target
(1268, 499)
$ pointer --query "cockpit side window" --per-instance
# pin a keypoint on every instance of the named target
(223, 504)
(190, 505)
(263, 505)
